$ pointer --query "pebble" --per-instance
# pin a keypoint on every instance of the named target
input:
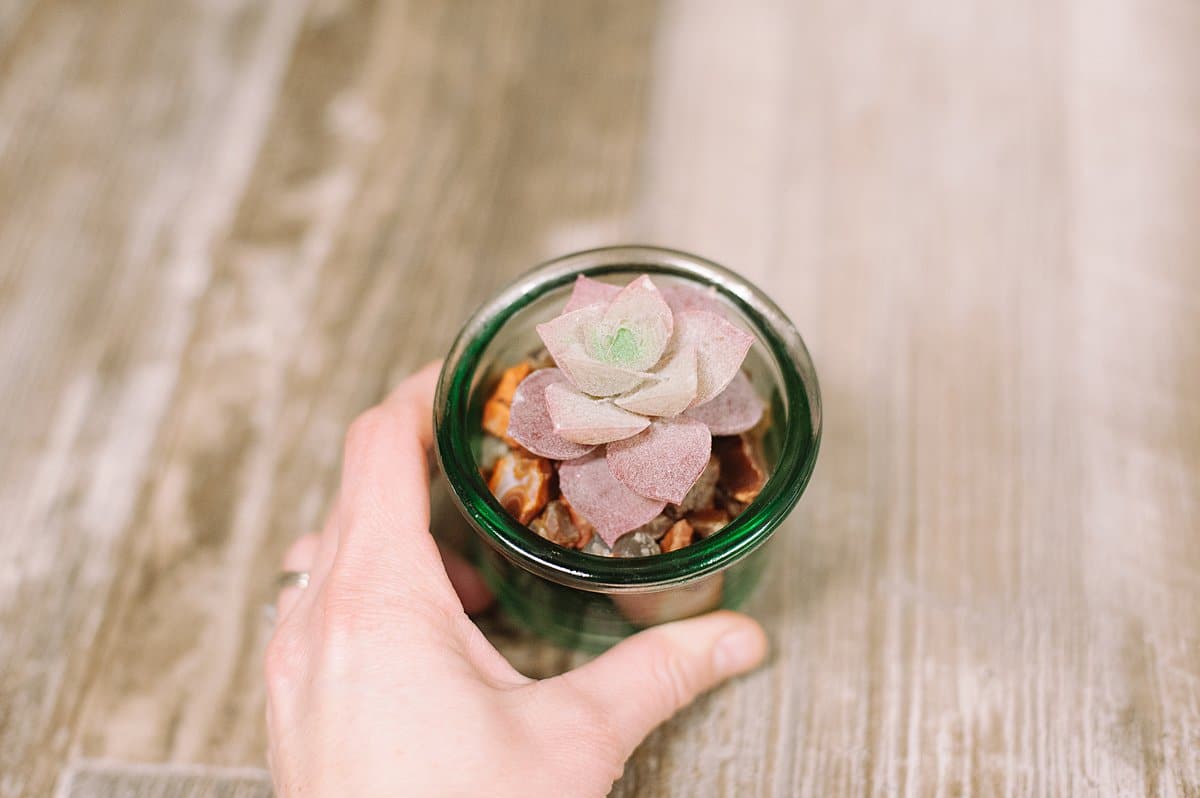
(742, 471)
(636, 544)
(677, 537)
(656, 527)
(522, 484)
(598, 547)
(498, 406)
(701, 494)
(490, 450)
(556, 525)
(708, 522)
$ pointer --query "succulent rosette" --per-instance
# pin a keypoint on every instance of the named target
(643, 379)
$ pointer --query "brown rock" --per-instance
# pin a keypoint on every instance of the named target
(555, 524)
(635, 544)
(597, 547)
(579, 521)
(496, 409)
(743, 472)
(729, 504)
(657, 526)
(521, 482)
(709, 521)
(701, 493)
(678, 536)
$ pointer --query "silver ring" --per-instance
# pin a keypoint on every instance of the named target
(288, 579)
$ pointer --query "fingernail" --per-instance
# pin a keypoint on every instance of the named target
(739, 650)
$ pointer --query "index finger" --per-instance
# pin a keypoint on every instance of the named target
(381, 521)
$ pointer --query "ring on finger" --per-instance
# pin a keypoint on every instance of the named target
(288, 579)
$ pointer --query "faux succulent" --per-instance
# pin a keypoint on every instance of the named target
(645, 377)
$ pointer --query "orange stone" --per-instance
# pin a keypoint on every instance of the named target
(521, 482)
(743, 473)
(556, 525)
(708, 522)
(678, 536)
(496, 409)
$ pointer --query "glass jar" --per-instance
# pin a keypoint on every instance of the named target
(587, 601)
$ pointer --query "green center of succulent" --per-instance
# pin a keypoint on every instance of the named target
(623, 346)
(620, 347)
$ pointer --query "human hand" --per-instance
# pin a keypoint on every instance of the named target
(378, 684)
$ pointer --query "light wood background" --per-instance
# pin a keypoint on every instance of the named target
(227, 225)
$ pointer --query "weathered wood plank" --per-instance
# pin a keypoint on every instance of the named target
(404, 178)
(125, 139)
(110, 780)
(980, 215)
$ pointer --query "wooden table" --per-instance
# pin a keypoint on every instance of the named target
(229, 225)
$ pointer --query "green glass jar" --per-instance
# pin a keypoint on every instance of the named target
(586, 601)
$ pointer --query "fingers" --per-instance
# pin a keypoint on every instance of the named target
(300, 556)
(381, 523)
(418, 389)
(472, 591)
(649, 677)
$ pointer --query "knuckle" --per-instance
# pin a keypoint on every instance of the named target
(281, 660)
(386, 422)
(591, 717)
(348, 612)
(606, 738)
(337, 629)
(346, 591)
(340, 617)
(671, 677)
(367, 428)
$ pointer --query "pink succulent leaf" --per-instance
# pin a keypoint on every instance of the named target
(720, 349)
(587, 291)
(606, 504)
(564, 336)
(584, 420)
(663, 461)
(732, 411)
(595, 378)
(682, 297)
(635, 329)
(567, 330)
(671, 390)
(529, 422)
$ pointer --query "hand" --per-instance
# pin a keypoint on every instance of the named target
(379, 684)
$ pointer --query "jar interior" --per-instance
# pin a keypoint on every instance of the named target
(588, 601)
(517, 341)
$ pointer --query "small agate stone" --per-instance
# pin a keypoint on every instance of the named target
(521, 484)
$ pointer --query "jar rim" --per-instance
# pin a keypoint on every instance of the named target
(516, 542)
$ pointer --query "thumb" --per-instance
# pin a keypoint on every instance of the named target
(647, 678)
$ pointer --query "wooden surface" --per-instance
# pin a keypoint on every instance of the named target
(227, 225)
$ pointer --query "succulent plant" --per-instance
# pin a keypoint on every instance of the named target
(644, 378)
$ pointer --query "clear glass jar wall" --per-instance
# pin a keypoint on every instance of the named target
(585, 601)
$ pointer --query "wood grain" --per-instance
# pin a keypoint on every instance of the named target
(104, 780)
(126, 138)
(980, 215)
